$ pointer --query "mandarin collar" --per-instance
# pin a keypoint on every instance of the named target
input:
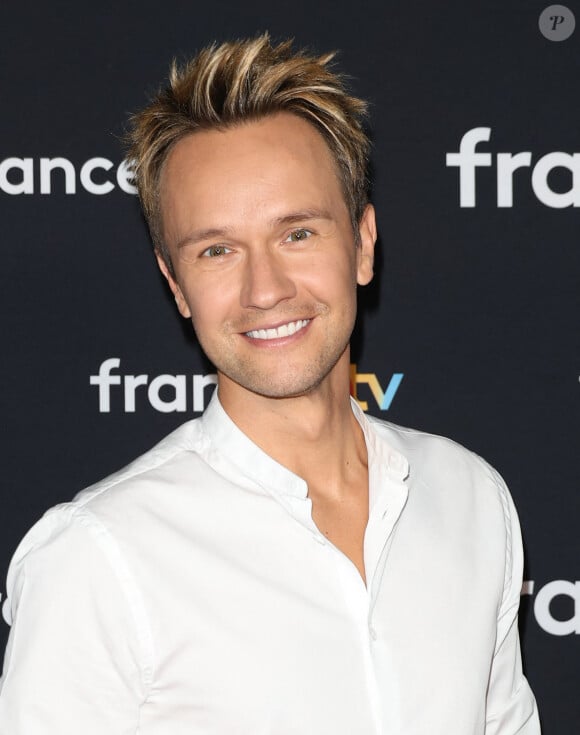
(379, 450)
(226, 438)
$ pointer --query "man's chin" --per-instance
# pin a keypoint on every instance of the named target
(279, 392)
(282, 381)
(278, 389)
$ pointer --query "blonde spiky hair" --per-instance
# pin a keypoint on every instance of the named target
(240, 81)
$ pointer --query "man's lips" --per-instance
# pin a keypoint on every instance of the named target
(283, 330)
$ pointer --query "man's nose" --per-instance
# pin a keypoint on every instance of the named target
(266, 280)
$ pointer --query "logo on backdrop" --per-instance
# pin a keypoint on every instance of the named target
(181, 393)
(383, 398)
(57, 175)
(541, 608)
(468, 160)
(567, 592)
(165, 393)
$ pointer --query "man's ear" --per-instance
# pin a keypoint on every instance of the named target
(174, 286)
(366, 246)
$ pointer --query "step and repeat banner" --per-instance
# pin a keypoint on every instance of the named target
(470, 328)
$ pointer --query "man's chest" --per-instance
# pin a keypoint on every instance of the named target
(268, 627)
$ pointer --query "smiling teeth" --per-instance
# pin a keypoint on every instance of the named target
(284, 330)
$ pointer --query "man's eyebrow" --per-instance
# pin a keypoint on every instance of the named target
(209, 233)
(302, 216)
(212, 233)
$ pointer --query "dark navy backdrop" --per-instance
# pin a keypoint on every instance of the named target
(476, 306)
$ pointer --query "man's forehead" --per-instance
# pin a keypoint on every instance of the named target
(275, 168)
(280, 135)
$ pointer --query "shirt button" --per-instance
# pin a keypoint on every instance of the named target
(372, 633)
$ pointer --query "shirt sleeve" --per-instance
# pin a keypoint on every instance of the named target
(77, 659)
(511, 707)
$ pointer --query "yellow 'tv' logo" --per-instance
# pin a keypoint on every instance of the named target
(383, 398)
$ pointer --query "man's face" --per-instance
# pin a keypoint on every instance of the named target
(265, 259)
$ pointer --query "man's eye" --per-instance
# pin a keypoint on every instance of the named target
(298, 235)
(214, 251)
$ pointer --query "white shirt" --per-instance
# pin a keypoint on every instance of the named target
(191, 593)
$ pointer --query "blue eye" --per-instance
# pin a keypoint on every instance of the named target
(214, 251)
(298, 235)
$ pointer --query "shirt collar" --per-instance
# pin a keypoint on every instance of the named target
(227, 439)
(378, 449)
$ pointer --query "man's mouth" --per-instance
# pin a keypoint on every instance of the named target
(284, 330)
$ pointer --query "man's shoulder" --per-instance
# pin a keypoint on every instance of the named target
(152, 466)
(127, 499)
(117, 498)
(437, 459)
(448, 482)
(404, 438)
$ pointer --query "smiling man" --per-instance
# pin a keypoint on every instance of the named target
(284, 564)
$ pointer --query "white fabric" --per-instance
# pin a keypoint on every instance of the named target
(191, 593)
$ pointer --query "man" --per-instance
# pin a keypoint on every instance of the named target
(283, 564)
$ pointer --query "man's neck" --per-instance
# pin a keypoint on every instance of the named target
(315, 435)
